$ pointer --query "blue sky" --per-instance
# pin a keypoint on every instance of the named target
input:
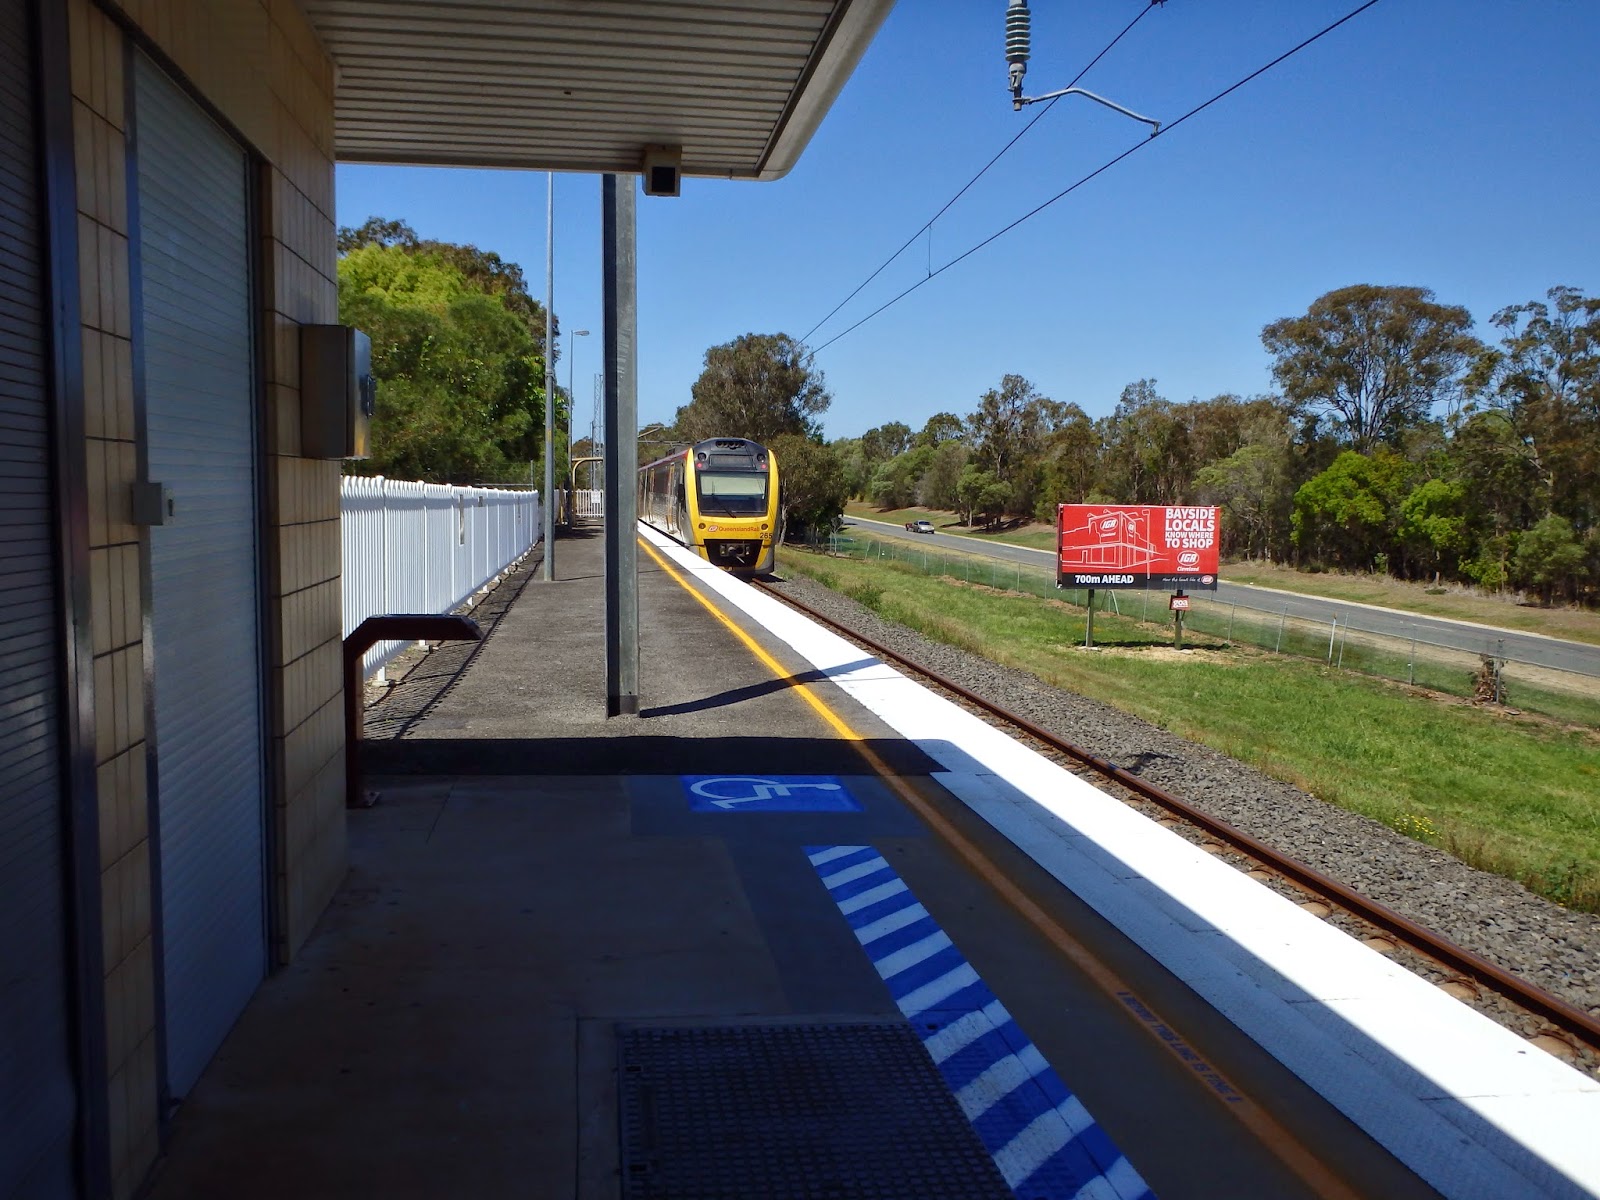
(1443, 143)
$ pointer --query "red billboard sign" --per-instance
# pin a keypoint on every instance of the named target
(1136, 546)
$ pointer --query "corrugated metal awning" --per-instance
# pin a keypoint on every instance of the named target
(586, 85)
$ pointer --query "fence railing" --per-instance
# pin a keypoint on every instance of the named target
(588, 504)
(425, 547)
(1486, 673)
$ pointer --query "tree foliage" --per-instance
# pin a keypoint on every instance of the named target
(941, 479)
(459, 367)
(758, 386)
(1375, 359)
(883, 442)
(1251, 487)
(814, 488)
(482, 270)
(1543, 382)
(1549, 558)
(940, 428)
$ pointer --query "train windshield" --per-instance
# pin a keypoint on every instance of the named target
(742, 493)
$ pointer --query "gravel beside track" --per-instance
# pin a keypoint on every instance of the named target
(1550, 946)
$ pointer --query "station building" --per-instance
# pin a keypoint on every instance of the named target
(172, 807)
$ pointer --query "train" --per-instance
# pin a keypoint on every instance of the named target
(721, 498)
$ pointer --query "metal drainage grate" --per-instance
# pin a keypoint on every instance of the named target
(794, 1112)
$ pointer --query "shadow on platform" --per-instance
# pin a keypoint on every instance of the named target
(638, 755)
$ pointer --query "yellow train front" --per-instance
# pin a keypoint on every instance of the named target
(720, 498)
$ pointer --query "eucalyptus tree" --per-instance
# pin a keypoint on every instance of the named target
(1543, 382)
(757, 386)
(1372, 359)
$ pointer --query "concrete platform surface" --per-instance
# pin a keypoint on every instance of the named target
(533, 877)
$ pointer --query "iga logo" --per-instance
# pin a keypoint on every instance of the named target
(1109, 524)
(1189, 558)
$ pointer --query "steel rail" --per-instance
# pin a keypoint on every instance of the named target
(1442, 950)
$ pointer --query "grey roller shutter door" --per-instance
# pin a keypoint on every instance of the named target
(200, 429)
(37, 1091)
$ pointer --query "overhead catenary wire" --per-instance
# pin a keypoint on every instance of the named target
(1100, 170)
(966, 187)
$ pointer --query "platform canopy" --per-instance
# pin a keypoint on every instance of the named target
(585, 85)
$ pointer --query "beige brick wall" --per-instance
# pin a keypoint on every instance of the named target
(116, 608)
(260, 65)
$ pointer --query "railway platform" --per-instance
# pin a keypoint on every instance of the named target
(756, 941)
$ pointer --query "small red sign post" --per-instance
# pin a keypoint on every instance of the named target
(1179, 604)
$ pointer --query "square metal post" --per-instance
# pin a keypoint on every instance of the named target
(547, 494)
(618, 203)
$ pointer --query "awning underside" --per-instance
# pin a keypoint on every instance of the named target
(585, 85)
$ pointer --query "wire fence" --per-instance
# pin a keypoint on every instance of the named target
(425, 547)
(1142, 617)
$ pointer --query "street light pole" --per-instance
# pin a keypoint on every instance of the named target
(572, 475)
(572, 342)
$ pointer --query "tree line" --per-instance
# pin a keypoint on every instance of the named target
(1398, 442)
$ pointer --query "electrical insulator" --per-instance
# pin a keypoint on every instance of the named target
(1018, 20)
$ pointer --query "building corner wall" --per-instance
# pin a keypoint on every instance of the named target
(298, 253)
(116, 616)
(257, 65)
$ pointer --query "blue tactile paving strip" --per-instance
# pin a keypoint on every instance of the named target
(1044, 1142)
(793, 1112)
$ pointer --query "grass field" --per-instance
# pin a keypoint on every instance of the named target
(1454, 603)
(1040, 537)
(1512, 795)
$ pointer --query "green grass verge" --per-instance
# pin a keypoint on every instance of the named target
(1572, 624)
(1511, 795)
(1562, 695)
(949, 522)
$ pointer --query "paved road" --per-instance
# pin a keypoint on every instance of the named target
(1459, 635)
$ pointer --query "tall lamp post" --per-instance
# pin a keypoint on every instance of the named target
(572, 475)
(571, 362)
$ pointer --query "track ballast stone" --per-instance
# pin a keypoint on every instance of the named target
(1552, 947)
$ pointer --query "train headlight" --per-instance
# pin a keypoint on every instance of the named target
(763, 527)
(702, 524)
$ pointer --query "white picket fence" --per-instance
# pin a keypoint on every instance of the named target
(425, 547)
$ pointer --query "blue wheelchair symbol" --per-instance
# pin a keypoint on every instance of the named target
(768, 793)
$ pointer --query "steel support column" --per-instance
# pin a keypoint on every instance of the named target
(617, 204)
(548, 494)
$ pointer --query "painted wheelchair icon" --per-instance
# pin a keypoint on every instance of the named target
(768, 793)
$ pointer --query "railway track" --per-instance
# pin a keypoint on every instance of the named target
(1465, 972)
